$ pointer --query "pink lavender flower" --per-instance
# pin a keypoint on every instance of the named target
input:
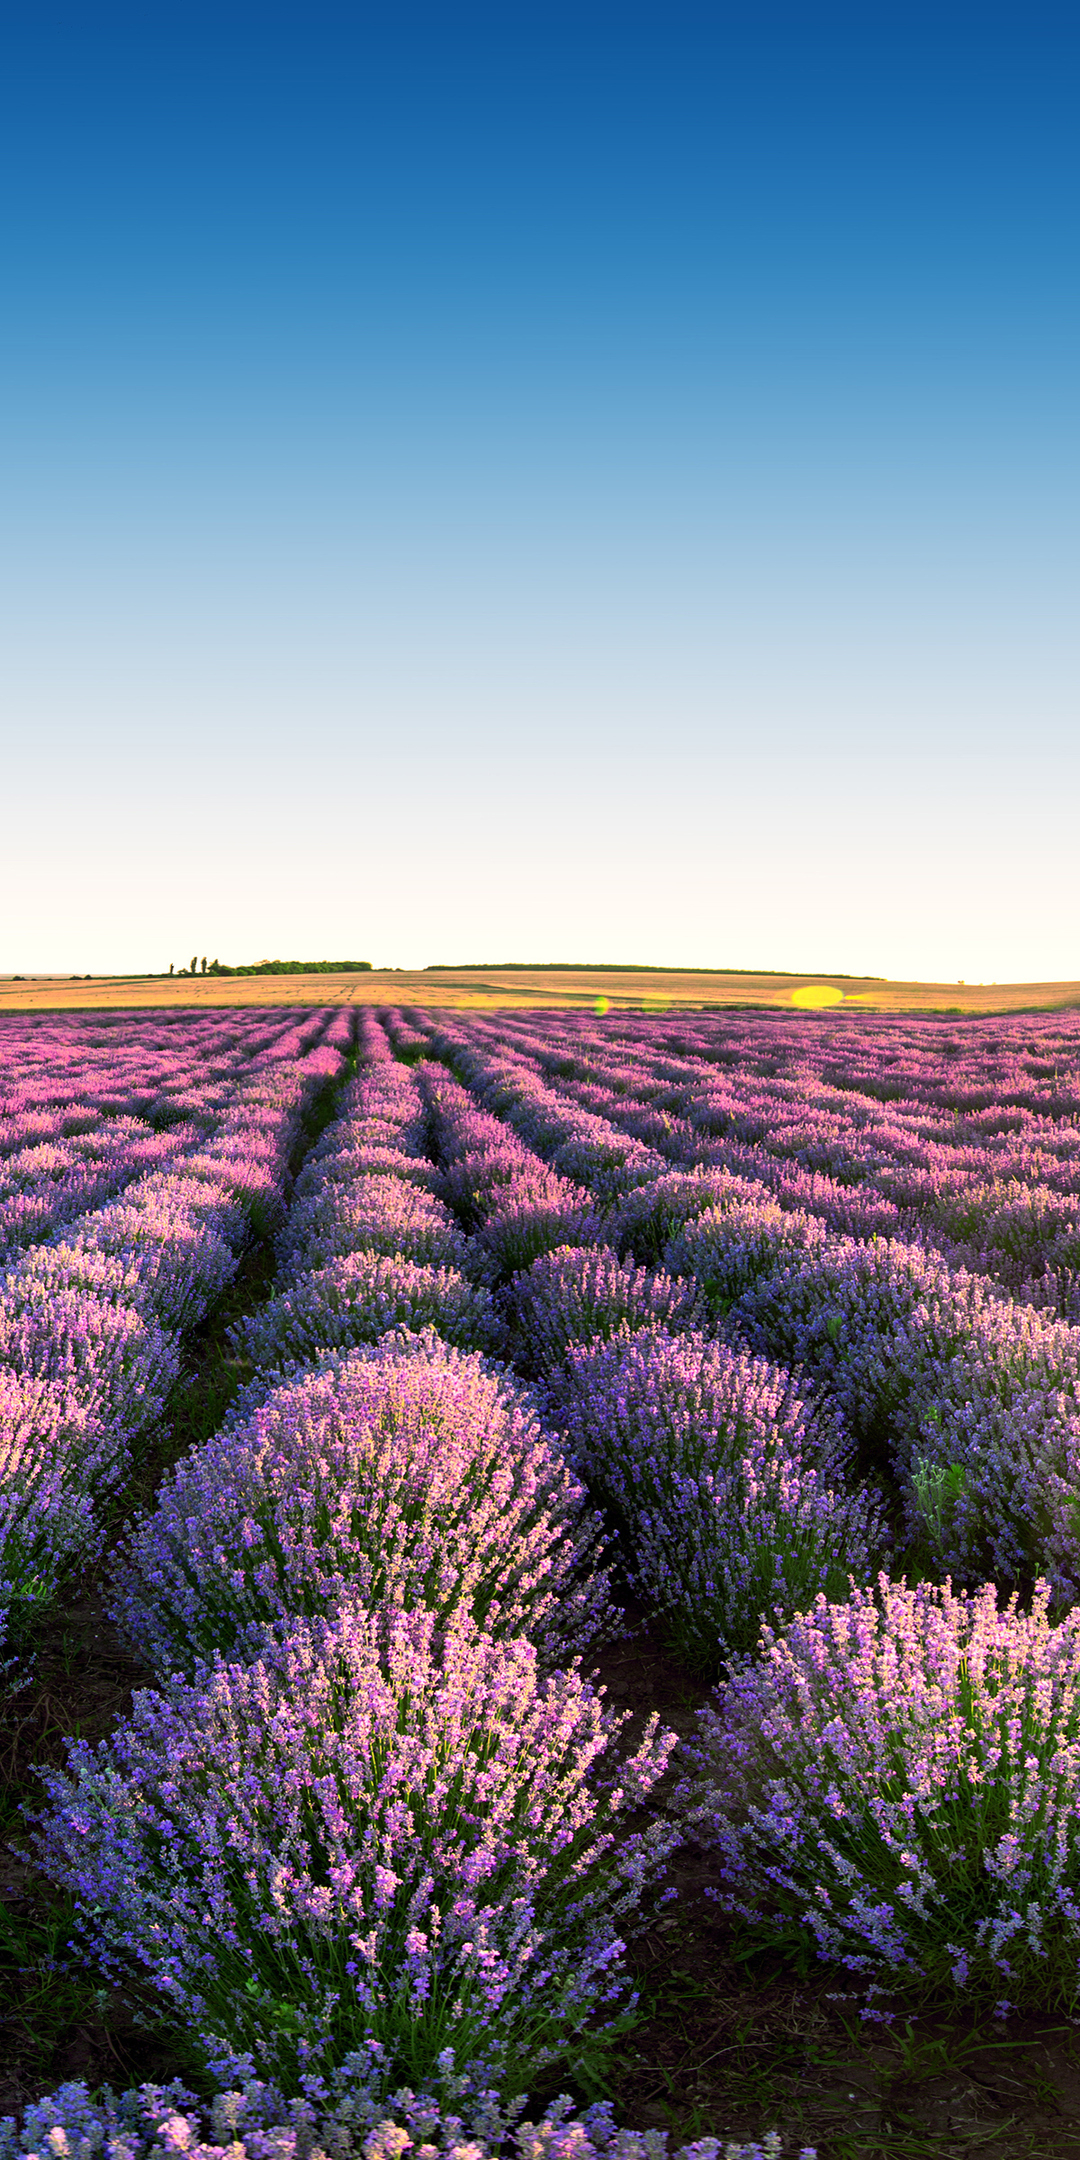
(412, 1472)
(55, 1456)
(375, 1214)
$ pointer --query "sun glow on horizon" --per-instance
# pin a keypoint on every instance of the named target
(815, 995)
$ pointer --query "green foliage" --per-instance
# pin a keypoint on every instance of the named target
(290, 967)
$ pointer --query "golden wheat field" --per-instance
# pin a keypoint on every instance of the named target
(494, 988)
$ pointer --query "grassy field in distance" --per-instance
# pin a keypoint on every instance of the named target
(627, 989)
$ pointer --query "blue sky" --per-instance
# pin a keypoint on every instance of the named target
(541, 481)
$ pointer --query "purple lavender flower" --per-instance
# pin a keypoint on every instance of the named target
(899, 1774)
(413, 1472)
(728, 1247)
(357, 1300)
(730, 1498)
(973, 1401)
(372, 1833)
(646, 1220)
(580, 1292)
(55, 1456)
(118, 1364)
(376, 1214)
(256, 2123)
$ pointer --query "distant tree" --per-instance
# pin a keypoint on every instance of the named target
(194, 968)
(204, 963)
(170, 967)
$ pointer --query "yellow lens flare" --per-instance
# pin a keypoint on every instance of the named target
(816, 995)
(602, 1006)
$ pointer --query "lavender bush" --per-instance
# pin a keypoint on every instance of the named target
(117, 1363)
(181, 1265)
(55, 1455)
(875, 1323)
(728, 1247)
(376, 1214)
(900, 1774)
(707, 1458)
(356, 1158)
(579, 1293)
(469, 1181)
(454, 2119)
(414, 1473)
(1014, 1230)
(647, 1219)
(370, 1832)
(973, 1401)
(532, 1213)
(358, 1300)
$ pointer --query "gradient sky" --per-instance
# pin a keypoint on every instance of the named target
(545, 480)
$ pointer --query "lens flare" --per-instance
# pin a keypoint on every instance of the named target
(602, 1006)
(816, 994)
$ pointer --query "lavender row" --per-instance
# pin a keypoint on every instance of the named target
(729, 1500)
(389, 1563)
(1010, 1208)
(368, 1247)
(453, 2119)
(90, 1322)
(50, 1183)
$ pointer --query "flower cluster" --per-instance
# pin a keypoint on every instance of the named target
(973, 1401)
(413, 1472)
(579, 1293)
(732, 1502)
(359, 1299)
(730, 1245)
(356, 2112)
(900, 1774)
(370, 1831)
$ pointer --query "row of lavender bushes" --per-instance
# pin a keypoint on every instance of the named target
(91, 1319)
(371, 1831)
(993, 1184)
(965, 1400)
(86, 1107)
(896, 1770)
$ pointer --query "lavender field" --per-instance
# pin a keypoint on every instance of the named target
(571, 1493)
